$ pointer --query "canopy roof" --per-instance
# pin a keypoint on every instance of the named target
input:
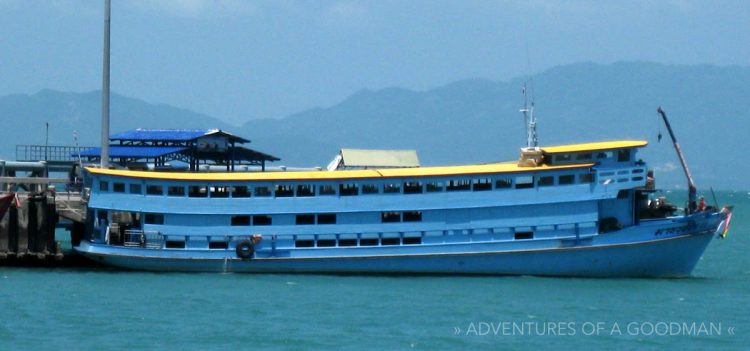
(134, 151)
(379, 158)
(239, 153)
(604, 145)
(175, 135)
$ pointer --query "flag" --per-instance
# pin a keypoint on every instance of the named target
(726, 225)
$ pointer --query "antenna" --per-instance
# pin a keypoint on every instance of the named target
(529, 120)
(104, 156)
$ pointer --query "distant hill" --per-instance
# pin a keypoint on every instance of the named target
(478, 120)
(24, 118)
(467, 121)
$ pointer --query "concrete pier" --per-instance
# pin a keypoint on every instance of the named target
(27, 232)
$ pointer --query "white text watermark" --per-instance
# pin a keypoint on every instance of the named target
(594, 328)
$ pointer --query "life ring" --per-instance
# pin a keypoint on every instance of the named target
(245, 249)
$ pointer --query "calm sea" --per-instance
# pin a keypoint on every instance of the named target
(85, 309)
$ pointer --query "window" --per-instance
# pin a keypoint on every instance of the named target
(503, 183)
(603, 155)
(566, 179)
(523, 235)
(412, 241)
(239, 191)
(175, 244)
(546, 181)
(623, 155)
(412, 187)
(586, 178)
(434, 187)
(524, 182)
(370, 189)
(154, 190)
(135, 189)
(217, 245)
(197, 191)
(327, 218)
(284, 190)
(240, 220)
(584, 156)
(458, 185)
(563, 157)
(305, 219)
(481, 184)
(326, 243)
(176, 191)
(153, 218)
(118, 187)
(220, 192)
(262, 191)
(103, 186)
(368, 242)
(348, 189)
(412, 216)
(348, 242)
(392, 188)
(327, 190)
(305, 190)
(304, 243)
(390, 217)
(261, 220)
(390, 241)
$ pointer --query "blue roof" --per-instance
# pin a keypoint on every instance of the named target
(134, 151)
(170, 135)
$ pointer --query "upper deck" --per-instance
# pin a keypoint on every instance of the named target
(605, 173)
(556, 158)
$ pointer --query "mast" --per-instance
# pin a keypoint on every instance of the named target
(530, 120)
(692, 198)
(105, 90)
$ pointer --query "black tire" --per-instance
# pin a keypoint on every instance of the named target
(245, 249)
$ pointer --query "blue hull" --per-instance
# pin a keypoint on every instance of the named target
(666, 257)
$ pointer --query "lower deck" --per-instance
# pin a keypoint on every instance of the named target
(398, 243)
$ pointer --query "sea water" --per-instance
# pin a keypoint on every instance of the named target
(105, 309)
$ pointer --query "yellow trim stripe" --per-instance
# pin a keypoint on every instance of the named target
(333, 175)
(604, 145)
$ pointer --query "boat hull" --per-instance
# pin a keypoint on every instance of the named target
(665, 257)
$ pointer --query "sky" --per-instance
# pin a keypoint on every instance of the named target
(240, 60)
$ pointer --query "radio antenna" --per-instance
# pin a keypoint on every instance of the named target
(529, 119)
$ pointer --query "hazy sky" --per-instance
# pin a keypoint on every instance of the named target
(238, 60)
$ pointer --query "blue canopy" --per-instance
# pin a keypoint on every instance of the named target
(174, 135)
(134, 151)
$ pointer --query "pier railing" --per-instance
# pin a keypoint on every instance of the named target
(49, 153)
(145, 239)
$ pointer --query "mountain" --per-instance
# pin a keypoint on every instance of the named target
(478, 120)
(24, 117)
(464, 122)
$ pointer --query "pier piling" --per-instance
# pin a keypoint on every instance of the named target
(27, 233)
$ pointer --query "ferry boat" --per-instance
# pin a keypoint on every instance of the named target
(573, 210)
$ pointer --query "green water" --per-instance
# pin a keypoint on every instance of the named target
(87, 309)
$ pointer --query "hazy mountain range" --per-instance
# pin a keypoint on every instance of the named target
(463, 122)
